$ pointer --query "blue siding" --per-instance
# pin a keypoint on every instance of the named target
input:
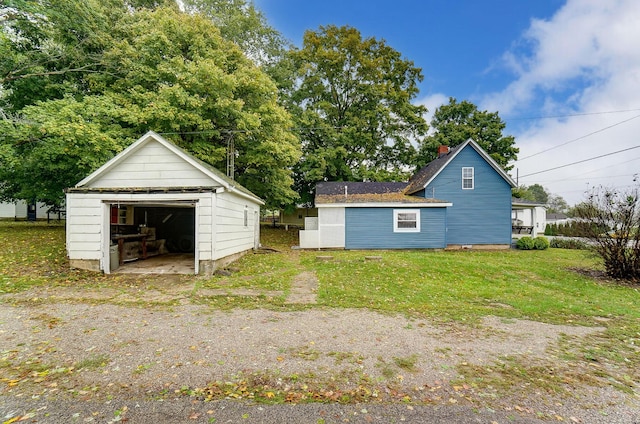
(478, 216)
(372, 228)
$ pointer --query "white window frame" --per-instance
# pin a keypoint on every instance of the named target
(468, 178)
(396, 216)
(246, 217)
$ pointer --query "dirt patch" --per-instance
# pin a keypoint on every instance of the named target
(304, 288)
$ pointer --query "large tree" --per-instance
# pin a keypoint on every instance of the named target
(352, 102)
(456, 122)
(166, 71)
(241, 22)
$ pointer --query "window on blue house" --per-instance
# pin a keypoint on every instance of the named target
(406, 220)
(467, 178)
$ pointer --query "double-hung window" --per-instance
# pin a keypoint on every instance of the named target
(467, 178)
(406, 220)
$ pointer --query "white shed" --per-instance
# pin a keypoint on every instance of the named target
(156, 199)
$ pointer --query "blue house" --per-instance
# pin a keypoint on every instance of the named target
(461, 199)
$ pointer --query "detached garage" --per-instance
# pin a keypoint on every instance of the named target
(156, 200)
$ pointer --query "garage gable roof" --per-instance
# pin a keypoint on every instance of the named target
(218, 179)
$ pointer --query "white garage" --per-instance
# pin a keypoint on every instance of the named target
(156, 200)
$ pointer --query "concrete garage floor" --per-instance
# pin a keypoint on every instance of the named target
(171, 263)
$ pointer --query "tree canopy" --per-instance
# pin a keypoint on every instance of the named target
(456, 122)
(240, 22)
(158, 69)
(537, 193)
(352, 103)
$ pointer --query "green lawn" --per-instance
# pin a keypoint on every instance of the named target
(452, 285)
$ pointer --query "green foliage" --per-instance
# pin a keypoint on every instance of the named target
(574, 229)
(559, 243)
(525, 243)
(240, 22)
(455, 123)
(540, 195)
(521, 192)
(352, 101)
(156, 69)
(530, 243)
(540, 243)
(557, 204)
(49, 46)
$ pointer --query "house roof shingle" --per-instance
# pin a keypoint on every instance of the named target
(366, 192)
(420, 179)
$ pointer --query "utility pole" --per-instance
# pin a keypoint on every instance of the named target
(231, 157)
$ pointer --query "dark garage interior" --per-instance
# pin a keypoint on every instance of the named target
(143, 231)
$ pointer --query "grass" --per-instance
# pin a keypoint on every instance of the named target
(457, 286)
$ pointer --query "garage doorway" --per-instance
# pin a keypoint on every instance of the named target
(152, 238)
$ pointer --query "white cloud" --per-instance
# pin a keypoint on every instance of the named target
(584, 59)
(432, 102)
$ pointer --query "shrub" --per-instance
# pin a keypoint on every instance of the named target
(611, 219)
(525, 243)
(568, 244)
(540, 243)
(551, 230)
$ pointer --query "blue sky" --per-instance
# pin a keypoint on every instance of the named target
(574, 62)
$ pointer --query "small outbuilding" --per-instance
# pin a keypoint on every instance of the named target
(155, 199)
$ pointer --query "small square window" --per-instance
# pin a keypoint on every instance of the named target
(406, 221)
(467, 178)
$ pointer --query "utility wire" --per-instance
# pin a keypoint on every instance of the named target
(579, 138)
(580, 161)
(571, 115)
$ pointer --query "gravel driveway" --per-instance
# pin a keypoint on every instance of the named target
(107, 361)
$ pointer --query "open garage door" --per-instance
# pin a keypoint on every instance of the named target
(153, 238)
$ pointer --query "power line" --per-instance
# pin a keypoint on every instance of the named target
(580, 161)
(572, 115)
(223, 131)
(579, 138)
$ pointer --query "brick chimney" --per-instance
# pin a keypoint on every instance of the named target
(442, 150)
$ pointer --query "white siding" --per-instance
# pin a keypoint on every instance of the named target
(84, 226)
(535, 217)
(231, 235)
(19, 210)
(153, 165)
(204, 236)
(7, 210)
(331, 227)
